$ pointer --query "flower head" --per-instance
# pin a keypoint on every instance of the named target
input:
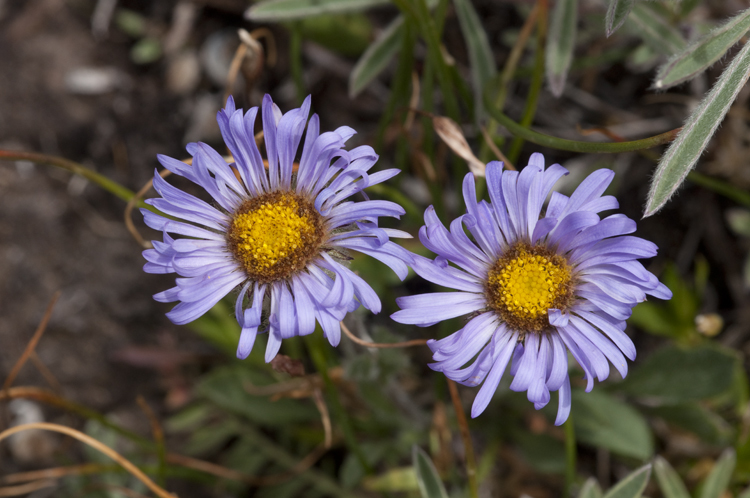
(278, 233)
(535, 287)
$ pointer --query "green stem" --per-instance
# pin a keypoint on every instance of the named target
(109, 185)
(420, 12)
(317, 353)
(295, 61)
(573, 145)
(319, 480)
(537, 81)
(720, 187)
(570, 455)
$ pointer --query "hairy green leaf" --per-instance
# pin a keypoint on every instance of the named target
(655, 30)
(284, 10)
(669, 481)
(480, 53)
(692, 140)
(632, 486)
(430, 485)
(718, 480)
(590, 489)
(560, 44)
(376, 57)
(700, 55)
(616, 14)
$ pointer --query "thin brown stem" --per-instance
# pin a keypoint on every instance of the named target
(32, 343)
(383, 345)
(463, 425)
(119, 459)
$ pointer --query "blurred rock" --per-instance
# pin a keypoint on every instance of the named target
(183, 73)
(95, 80)
(217, 53)
(33, 446)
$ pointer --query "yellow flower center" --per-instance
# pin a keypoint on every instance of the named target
(275, 235)
(525, 282)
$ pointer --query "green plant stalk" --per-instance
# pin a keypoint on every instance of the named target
(720, 187)
(537, 80)
(283, 458)
(102, 181)
(574, 145)
(419, 11)
(317, 354)
(570, 455)
(295, 61)
(401, 80)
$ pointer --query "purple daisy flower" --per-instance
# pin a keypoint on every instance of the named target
(277, 234)
(535, 287)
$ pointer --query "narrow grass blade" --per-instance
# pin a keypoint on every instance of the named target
(698, 130)
(430, 485)
(283, 10)
(376, 57)
(718, 480)
(655, 30)
(560, 44)
(482, 62)
(700, 55)
(669, 481)
(616, 14)
(590, 489)
(632, 486)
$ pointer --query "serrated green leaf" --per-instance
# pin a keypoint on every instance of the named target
(590, 489)
(376, 57)
(561, 42)
(655, 30)
(285, 10)
(718, 480)
(674, 375)
(616, 14)
(632, 486)
(700, 55)
(604, 421)
(481, 60)
(692, 140)
(430, 485)
(669, 481)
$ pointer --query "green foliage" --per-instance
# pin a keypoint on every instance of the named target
(717, 481)
(617, 13)
(669, 481)
(285, 10)
(480, 52)
(651, 26)
(603, 421)
(675, 375)
(693, 139)
(561, 44)
(675, 318)
(376, 57)
(700, 55)
(590, 489)
(632, 486)
(430, 484)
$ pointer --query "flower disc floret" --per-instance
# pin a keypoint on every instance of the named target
(536, 284)
(275, 235)
(525, 282)
(278, 229)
